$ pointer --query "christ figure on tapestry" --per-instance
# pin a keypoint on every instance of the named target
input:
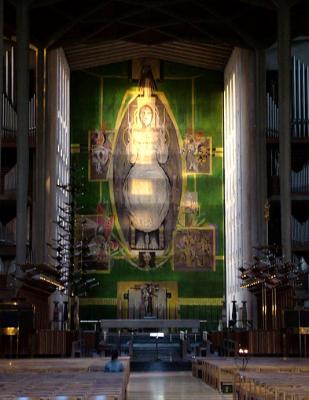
(146, 188)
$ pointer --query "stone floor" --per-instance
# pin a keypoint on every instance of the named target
(170, 386)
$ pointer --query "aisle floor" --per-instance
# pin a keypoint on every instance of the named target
(170, 386)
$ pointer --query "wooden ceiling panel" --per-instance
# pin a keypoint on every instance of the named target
(200, 55)
(163, 26)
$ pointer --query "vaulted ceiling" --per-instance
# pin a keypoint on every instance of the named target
(197, 32)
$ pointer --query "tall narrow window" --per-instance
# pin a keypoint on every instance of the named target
(58, 150)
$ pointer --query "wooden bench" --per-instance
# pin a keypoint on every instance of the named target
(72, 384)
(71, 378)
(220, 372)
(274, 386)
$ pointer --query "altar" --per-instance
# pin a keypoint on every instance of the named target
(150, 323)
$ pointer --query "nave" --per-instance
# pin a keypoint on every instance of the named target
(170, 386)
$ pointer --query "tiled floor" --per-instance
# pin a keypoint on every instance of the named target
(170, 386)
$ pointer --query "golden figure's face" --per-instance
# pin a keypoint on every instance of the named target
(145, 115)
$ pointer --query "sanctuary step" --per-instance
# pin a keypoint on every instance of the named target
(160, 365)
(145, 352)
(143, 347)
(125, 338)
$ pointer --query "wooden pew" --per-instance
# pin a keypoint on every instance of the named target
(72, 384)
(220, 372)
(274, 386)
(75, 378)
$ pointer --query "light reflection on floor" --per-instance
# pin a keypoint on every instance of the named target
(170, 386)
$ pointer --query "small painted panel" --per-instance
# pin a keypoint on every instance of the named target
(197, 150)
(194, 249)
(97, 231)
(99, 154)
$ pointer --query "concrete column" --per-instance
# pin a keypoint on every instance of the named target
(247, 154)
(22, 129)
(1, 81)
(246, 149)
(40, 167)
(51, 147)
(284, 62)
(260, 197)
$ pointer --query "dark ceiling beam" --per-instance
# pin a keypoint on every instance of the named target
(175, 36)
(69, 26)
(139, 31)
(246, 37)
(189, 37)
(170, 35)
(288, 3)
(141, 5)
(110, 23)
(155, 5)
(132, 34)
(260, 3)
(183, 20)
(222, 40)
(196, 20)
(59, 11)
(200, 19)
(154, 26)
(16, 2)
(294, 2)
(160, 31)
(44, 3)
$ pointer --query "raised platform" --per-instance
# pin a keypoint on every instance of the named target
(151, 323)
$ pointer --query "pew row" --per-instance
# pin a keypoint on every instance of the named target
(220, 372)
(79, 385)
(65, 379)
(274, 386)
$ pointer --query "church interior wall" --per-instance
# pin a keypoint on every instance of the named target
(193, 97)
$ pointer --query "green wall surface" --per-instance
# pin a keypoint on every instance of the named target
(195, 97)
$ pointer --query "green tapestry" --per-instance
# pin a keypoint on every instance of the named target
(151, 152)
